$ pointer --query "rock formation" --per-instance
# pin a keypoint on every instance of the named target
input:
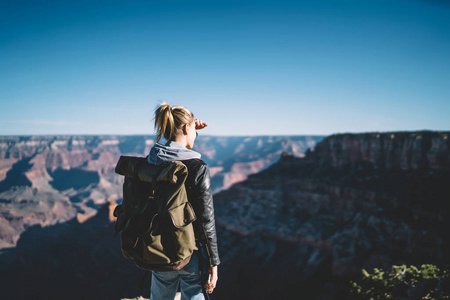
(306, 226)
(49, 179)
(301, 228)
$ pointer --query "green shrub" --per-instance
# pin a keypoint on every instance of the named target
(402, 282)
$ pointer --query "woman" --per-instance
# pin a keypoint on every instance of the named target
(178, 127)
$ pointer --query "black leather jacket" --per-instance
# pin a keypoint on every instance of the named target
(198, 188)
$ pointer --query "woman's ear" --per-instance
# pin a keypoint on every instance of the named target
(185, 129)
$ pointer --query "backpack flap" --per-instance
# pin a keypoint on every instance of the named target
(173, 173)
(136, 168)
(182, 215)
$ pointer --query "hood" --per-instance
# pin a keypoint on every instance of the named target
(169, 152)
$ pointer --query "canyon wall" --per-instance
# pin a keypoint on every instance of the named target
(401, 150)
(306, 226)
(49, 179)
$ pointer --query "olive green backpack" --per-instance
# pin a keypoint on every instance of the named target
(155, 217)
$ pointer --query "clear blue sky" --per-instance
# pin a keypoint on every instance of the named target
(245, 67)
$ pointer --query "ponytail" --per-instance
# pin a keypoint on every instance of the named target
(163, 121)
(169, 121)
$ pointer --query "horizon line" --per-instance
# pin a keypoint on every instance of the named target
(237, 135)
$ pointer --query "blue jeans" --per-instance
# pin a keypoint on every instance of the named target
(165, 284)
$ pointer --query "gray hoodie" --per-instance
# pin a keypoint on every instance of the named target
(169, 152)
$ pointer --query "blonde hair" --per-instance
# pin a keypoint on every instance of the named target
(169, 121)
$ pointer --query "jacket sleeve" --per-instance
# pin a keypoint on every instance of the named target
(206, 210)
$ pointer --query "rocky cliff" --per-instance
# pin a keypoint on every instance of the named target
(50, 179)
(396, 150)
(306, 226)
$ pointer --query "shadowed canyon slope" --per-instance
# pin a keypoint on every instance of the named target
(50, 179)
(305, 226)
(301, 228)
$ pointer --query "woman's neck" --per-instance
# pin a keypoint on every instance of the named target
(181, 140)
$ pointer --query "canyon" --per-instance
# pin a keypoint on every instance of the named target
(46, 180)
(302, 227)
